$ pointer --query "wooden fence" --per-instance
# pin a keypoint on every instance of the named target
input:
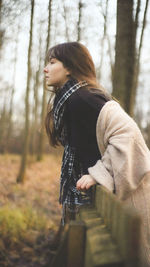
(103, 234)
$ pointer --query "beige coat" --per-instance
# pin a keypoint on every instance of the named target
(125, 163)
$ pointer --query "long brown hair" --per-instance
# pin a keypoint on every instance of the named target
(77, 59)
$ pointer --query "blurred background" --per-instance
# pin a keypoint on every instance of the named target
(29, 28)
(117, 34)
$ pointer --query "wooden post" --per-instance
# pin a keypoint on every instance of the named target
(60, 259)
(76, 244)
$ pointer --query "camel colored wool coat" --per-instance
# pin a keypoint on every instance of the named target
(125, 165)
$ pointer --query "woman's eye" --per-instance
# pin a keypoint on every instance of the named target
(52, 61)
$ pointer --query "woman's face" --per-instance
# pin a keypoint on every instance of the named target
(55, 73)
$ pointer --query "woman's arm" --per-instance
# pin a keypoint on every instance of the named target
(125, 158)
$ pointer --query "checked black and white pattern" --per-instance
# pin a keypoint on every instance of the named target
(71, 169)
(70, 87)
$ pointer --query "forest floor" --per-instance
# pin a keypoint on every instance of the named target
(29, 212)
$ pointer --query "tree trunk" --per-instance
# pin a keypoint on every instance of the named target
(21, 175)
(66, 24)
(1, 32)
(125, 55)
(80, 5)
(138, 52)
(33, 136)
(3, 120)
(41, 139)
(104, 14)
(10, 125)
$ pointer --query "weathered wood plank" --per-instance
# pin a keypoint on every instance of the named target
(76, 244)
(60, 258)
(100, 249)
(123, 224)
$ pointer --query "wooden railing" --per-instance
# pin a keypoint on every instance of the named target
(103, 234)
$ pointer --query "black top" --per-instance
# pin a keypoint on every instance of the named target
(81, 113)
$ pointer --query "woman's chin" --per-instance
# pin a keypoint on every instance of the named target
(49, 83)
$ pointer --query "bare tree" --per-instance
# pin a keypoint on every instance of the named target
(127, 59)
(65, 19)
(9, 122)
(2, 31)
(41, 141)
(37, 83)
(105, 16)
(80, 6)
(125, 54)
(3, 120)
(33, 136)
(21, 175)
(138, 52)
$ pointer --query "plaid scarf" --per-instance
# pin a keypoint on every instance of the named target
(71, 169)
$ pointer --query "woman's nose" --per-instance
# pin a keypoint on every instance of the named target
(45, 69)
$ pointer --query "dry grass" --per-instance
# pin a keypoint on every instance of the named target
(41, 187)
(29, 212)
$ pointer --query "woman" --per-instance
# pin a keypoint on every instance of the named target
(88, 123)
(71, 118)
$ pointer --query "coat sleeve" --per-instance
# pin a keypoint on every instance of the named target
(125, 156)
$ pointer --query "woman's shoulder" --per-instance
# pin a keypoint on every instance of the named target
(116, 121)
(91, 93)
(88, 96)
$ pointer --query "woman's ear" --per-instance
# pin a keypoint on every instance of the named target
(68, 72)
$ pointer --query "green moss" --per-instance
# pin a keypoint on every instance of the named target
(16, 223)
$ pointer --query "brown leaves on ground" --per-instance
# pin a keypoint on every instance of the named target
(41, 188)
(40, 192)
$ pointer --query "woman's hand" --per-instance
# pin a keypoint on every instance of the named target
(85, 182)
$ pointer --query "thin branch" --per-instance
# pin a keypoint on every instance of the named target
(105, 15)
(65, 18)
(80, 5)
(137, 15)
(143, 27)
